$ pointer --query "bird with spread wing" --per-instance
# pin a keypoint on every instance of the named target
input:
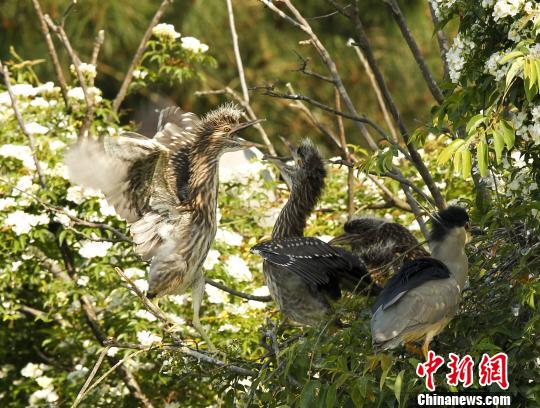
(166, 187)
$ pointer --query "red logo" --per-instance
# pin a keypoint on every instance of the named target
(460, 370)
(494, 370)
(429, 368)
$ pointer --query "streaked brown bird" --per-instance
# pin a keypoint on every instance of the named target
(304, 274)
(166, 187)
(383, 246)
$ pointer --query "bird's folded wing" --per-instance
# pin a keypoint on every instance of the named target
(363, 225)
(313, 260)
(411, 275)
(420, 308)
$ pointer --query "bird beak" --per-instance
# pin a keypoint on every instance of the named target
(245, 144)
(291, 148)
(279, 162)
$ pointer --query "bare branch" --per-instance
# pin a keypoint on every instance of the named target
(189, 352)
(417, 161)
(98, 42)
(237, 293)
(426, 73)
(138, 54)
(303, 69)
(29, 136)
(52, 52)
(441, 39)
(378, 93)
(237, 55)
(83, 391)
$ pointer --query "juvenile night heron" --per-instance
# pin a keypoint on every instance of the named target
(420, 300)
(303, 274)
(383, 246)
(166, 187)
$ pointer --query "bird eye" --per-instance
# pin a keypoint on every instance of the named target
(227, 129)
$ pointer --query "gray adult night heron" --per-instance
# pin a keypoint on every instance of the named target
(304, 273)
(382, 245)
(420, 300)
(166, 187)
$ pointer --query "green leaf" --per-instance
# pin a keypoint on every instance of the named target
(482, 157)
(331, 396)
(457, 161)
(509, 56)
(397, 386)
(498, 144)
(508, 133)
(386, 365)
(474, 122)
(514, 69)
(466, 159)
(537, 68)
(449, 150)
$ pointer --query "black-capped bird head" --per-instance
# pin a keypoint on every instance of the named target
(305, 165)
(220, 129)
(454, 222)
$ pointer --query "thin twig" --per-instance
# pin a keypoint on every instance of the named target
(236, 49)
(52, 52)
(426, 73)
(187, 351)
(138, 54)
(29, 136)
(83, 390)
(238, 293)
(98, 42)
(378, 93)
(441, 39)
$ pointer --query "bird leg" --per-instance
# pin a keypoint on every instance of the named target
(425, 346)
(198, 294)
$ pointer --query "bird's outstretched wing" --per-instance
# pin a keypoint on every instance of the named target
(411, 275)
(123, 167)
(315, 261)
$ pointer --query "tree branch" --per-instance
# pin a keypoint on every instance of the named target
(400, 20)
(52, 52)
(29, 136)
(236, 49)
(238, 293)
(138, 54)
(441, 39)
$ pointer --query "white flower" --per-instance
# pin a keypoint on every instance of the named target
(106, 209)
(134, 273)
(229, 327)
(172, 405)
(165, 31)
(19, 152)
(140, 74)
(63, 218)
(112, 351)
(145, 314)
(507, 8)
(194, 45)
(237, 268)
(7, 202)
(212, 259)
(87, 70)
(142, 284)
(255, 304)
(147, 338)
(44, 382)
(55, 145)
(246, 382)
(22, 222)
(91, 249)
(83, 281)
(216, 295)
(228, 237)
(492, 66)
(45, 88)
(47, 394)
(39, 102)
(32, 370)
(78, 194)
(180, 300)
(487, 3)
(35, 128)
(23, 90)
(78, 94)
(455, 56)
